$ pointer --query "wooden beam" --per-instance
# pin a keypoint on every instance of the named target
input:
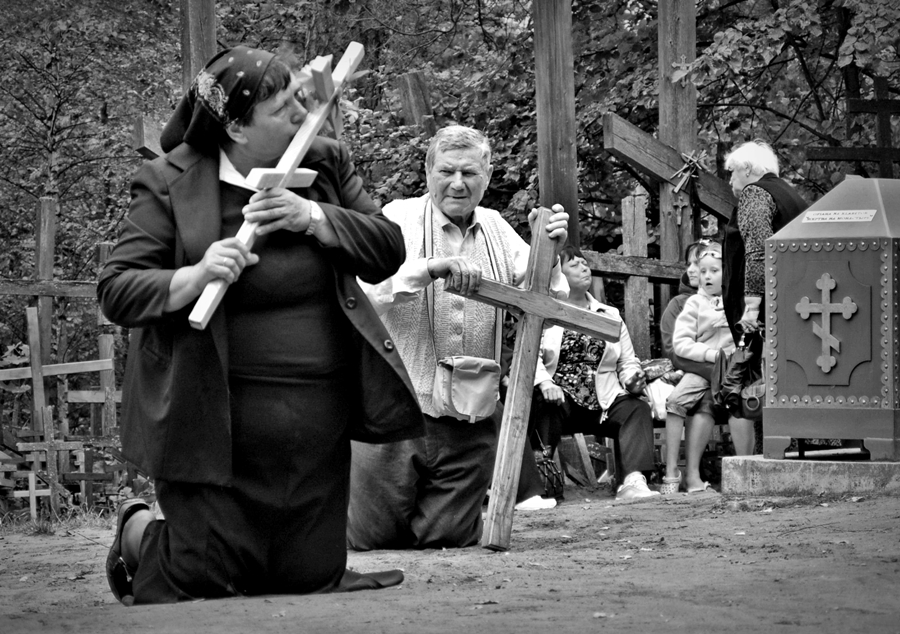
(45, 248)
(55, 288)
(107, 351)
(677, 49)
(554, 73)
(519, 301)
(634, 242)
(659, 161)
(864, 154)
(608, 264)
(35, 369)
(91, 396)
(145, 138)
(55, 369)
(198, 37)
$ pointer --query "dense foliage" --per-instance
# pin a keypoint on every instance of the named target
(76, 72)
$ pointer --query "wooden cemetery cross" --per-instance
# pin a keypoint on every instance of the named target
(534, 306)
(663, 159)
(51, 447)
(43, 286)
(661, 162)
(85, 475)
(884, 153)
(32, 493)
(37, 372)
(285, 174)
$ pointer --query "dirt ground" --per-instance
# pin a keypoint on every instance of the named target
(703, 563)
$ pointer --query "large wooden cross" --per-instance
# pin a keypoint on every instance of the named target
(534, 307)
(662, 158)
(884, 153)
(43, 286)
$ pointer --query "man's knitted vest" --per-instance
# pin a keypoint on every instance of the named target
(462, 326)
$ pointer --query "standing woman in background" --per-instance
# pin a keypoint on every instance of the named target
(766, 203)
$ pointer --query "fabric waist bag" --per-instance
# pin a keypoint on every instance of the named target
(466, 388)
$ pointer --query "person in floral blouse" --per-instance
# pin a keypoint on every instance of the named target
(586, 385)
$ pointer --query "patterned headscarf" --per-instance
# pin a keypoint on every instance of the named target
(221, 93)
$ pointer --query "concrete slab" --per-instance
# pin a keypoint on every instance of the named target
(755, 475)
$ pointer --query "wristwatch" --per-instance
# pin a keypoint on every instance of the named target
(315, 217)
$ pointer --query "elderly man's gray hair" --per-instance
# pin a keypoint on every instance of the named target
(458, 137)
(756, 156)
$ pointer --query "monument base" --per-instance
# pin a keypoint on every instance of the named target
(759, 476)
(879, 429)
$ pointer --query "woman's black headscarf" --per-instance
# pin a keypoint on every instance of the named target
(222, 92)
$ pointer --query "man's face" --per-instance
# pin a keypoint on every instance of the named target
(274, 123)
(457, 181)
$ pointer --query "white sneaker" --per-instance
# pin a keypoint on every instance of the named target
(536, 503)
(634, 487)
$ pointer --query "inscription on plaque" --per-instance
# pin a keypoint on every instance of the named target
(840, 215)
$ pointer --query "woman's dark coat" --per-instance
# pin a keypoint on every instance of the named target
(176, 421)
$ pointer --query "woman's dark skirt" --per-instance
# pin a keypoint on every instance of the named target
(281, 529)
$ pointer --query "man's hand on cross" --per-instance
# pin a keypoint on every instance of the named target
(460, 274)
(557, 226)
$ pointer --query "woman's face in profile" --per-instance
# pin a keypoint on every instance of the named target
(740, 178)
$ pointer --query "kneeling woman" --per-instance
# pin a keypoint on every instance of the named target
(245, 426)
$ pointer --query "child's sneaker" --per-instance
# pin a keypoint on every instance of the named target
(635, 487)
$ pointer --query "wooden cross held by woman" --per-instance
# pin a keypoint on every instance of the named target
(285, 174)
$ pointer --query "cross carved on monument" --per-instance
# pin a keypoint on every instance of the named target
(846, 308)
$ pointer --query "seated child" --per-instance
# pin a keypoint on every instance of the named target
(701, 330)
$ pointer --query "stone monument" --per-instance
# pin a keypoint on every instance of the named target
(831, 360)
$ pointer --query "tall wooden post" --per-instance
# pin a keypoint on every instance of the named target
(198, 37)
(45, 248)
(198, 45)
(554, 74)
(677, 43)
(637, 289)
